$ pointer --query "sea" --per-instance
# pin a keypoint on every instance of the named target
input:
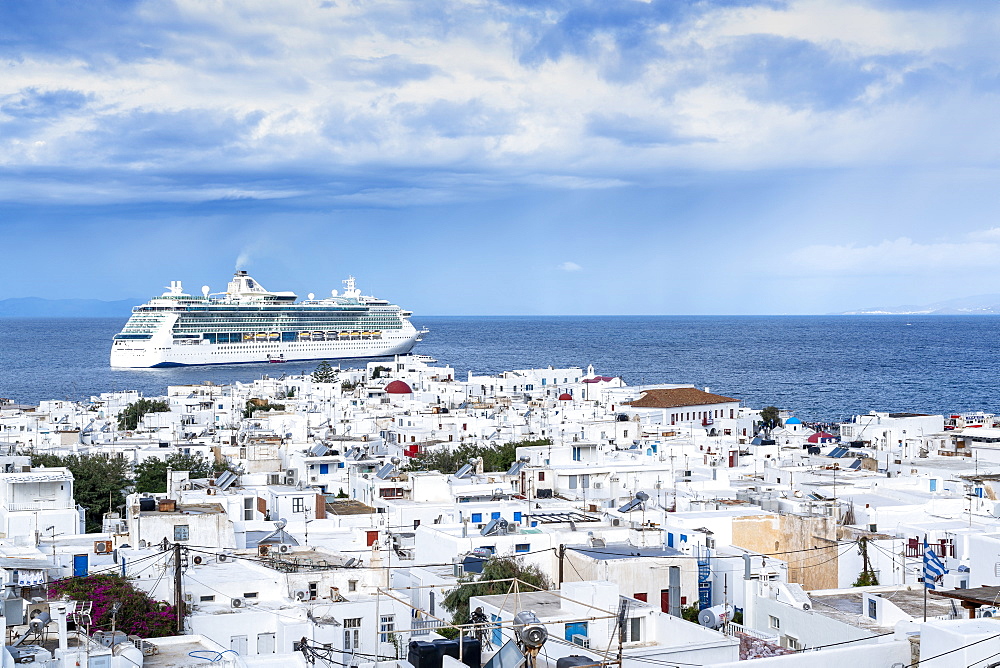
(822, 368)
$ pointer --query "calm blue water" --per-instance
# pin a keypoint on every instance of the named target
(823, 368)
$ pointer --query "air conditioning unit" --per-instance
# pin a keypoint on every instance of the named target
(238, 603)
(263, 550)
(581, 640)
(198, 560)
(35, 609)
(211, 491)
(102, 546)
(300, 595)
(284, 549)
(291, 475)
(616, 522)
(598, 485)
(223, 558)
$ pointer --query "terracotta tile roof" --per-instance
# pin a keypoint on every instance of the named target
(675, 398)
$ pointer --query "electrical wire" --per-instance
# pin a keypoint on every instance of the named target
(722, 556)
(951, 651)
(260, 560)
(845, 642)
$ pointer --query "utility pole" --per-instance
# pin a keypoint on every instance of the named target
(561, 553)
(178, 589)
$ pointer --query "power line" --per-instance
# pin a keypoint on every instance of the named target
(951, 651)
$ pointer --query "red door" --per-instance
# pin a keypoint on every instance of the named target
(665, 600)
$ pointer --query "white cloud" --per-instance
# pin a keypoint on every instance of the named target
(897, 257)
(856, 26)
(335, 88)
(570, 266)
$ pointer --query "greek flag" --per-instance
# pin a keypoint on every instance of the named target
(933, 568)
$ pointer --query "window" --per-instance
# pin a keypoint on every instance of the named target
(250, 594)
(352, 585)
(298, 504)
(386, 625)
(494, 516)
(576, 453)
(247, 509)
(207, 599)
(477, 517)
(522, 547)
(181, 532)
(324, 468)
(541, 476)
(773, 622)
(634, 630)
(872, 608)
(265, 643)
(352, 634)
(313, 591)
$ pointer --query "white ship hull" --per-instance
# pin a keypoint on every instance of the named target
(248, 324)
(165, 353)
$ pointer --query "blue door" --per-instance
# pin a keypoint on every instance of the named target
(80, 569)
(575, 629)
(496, 638)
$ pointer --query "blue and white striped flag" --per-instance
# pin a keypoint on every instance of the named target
(933, 568)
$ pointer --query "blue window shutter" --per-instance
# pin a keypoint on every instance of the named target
(324, 468)
(517, 514)
(495, 516)
(477, 517)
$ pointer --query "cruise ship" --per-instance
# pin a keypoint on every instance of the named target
(250, 324)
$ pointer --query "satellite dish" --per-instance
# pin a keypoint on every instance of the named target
(204, 290)
(281, 523)
(395, 460)
(311, 296)
(349, 562)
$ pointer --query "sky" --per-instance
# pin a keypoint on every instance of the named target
(522, 157)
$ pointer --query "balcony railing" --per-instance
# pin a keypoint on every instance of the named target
(942, 548)
(40, 505)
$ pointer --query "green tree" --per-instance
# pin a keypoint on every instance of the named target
(867, 577)
(130, 416)
(497, 568)
(137, 613)
(495, 457)
(257, 405)
(690, 612)
(99, 482)
(769, 419)
(324, 373)
(151, 474)
(379, 370)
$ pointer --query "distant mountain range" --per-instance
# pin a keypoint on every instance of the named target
(36, 307)
(978, 305)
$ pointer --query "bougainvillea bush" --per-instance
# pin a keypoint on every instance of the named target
(139, 615)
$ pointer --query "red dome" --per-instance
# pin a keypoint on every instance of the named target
(565, 397)
(398, 387)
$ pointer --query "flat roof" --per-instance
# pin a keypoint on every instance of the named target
(624, 551)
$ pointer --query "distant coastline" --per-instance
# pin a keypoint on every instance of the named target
(977, 305)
